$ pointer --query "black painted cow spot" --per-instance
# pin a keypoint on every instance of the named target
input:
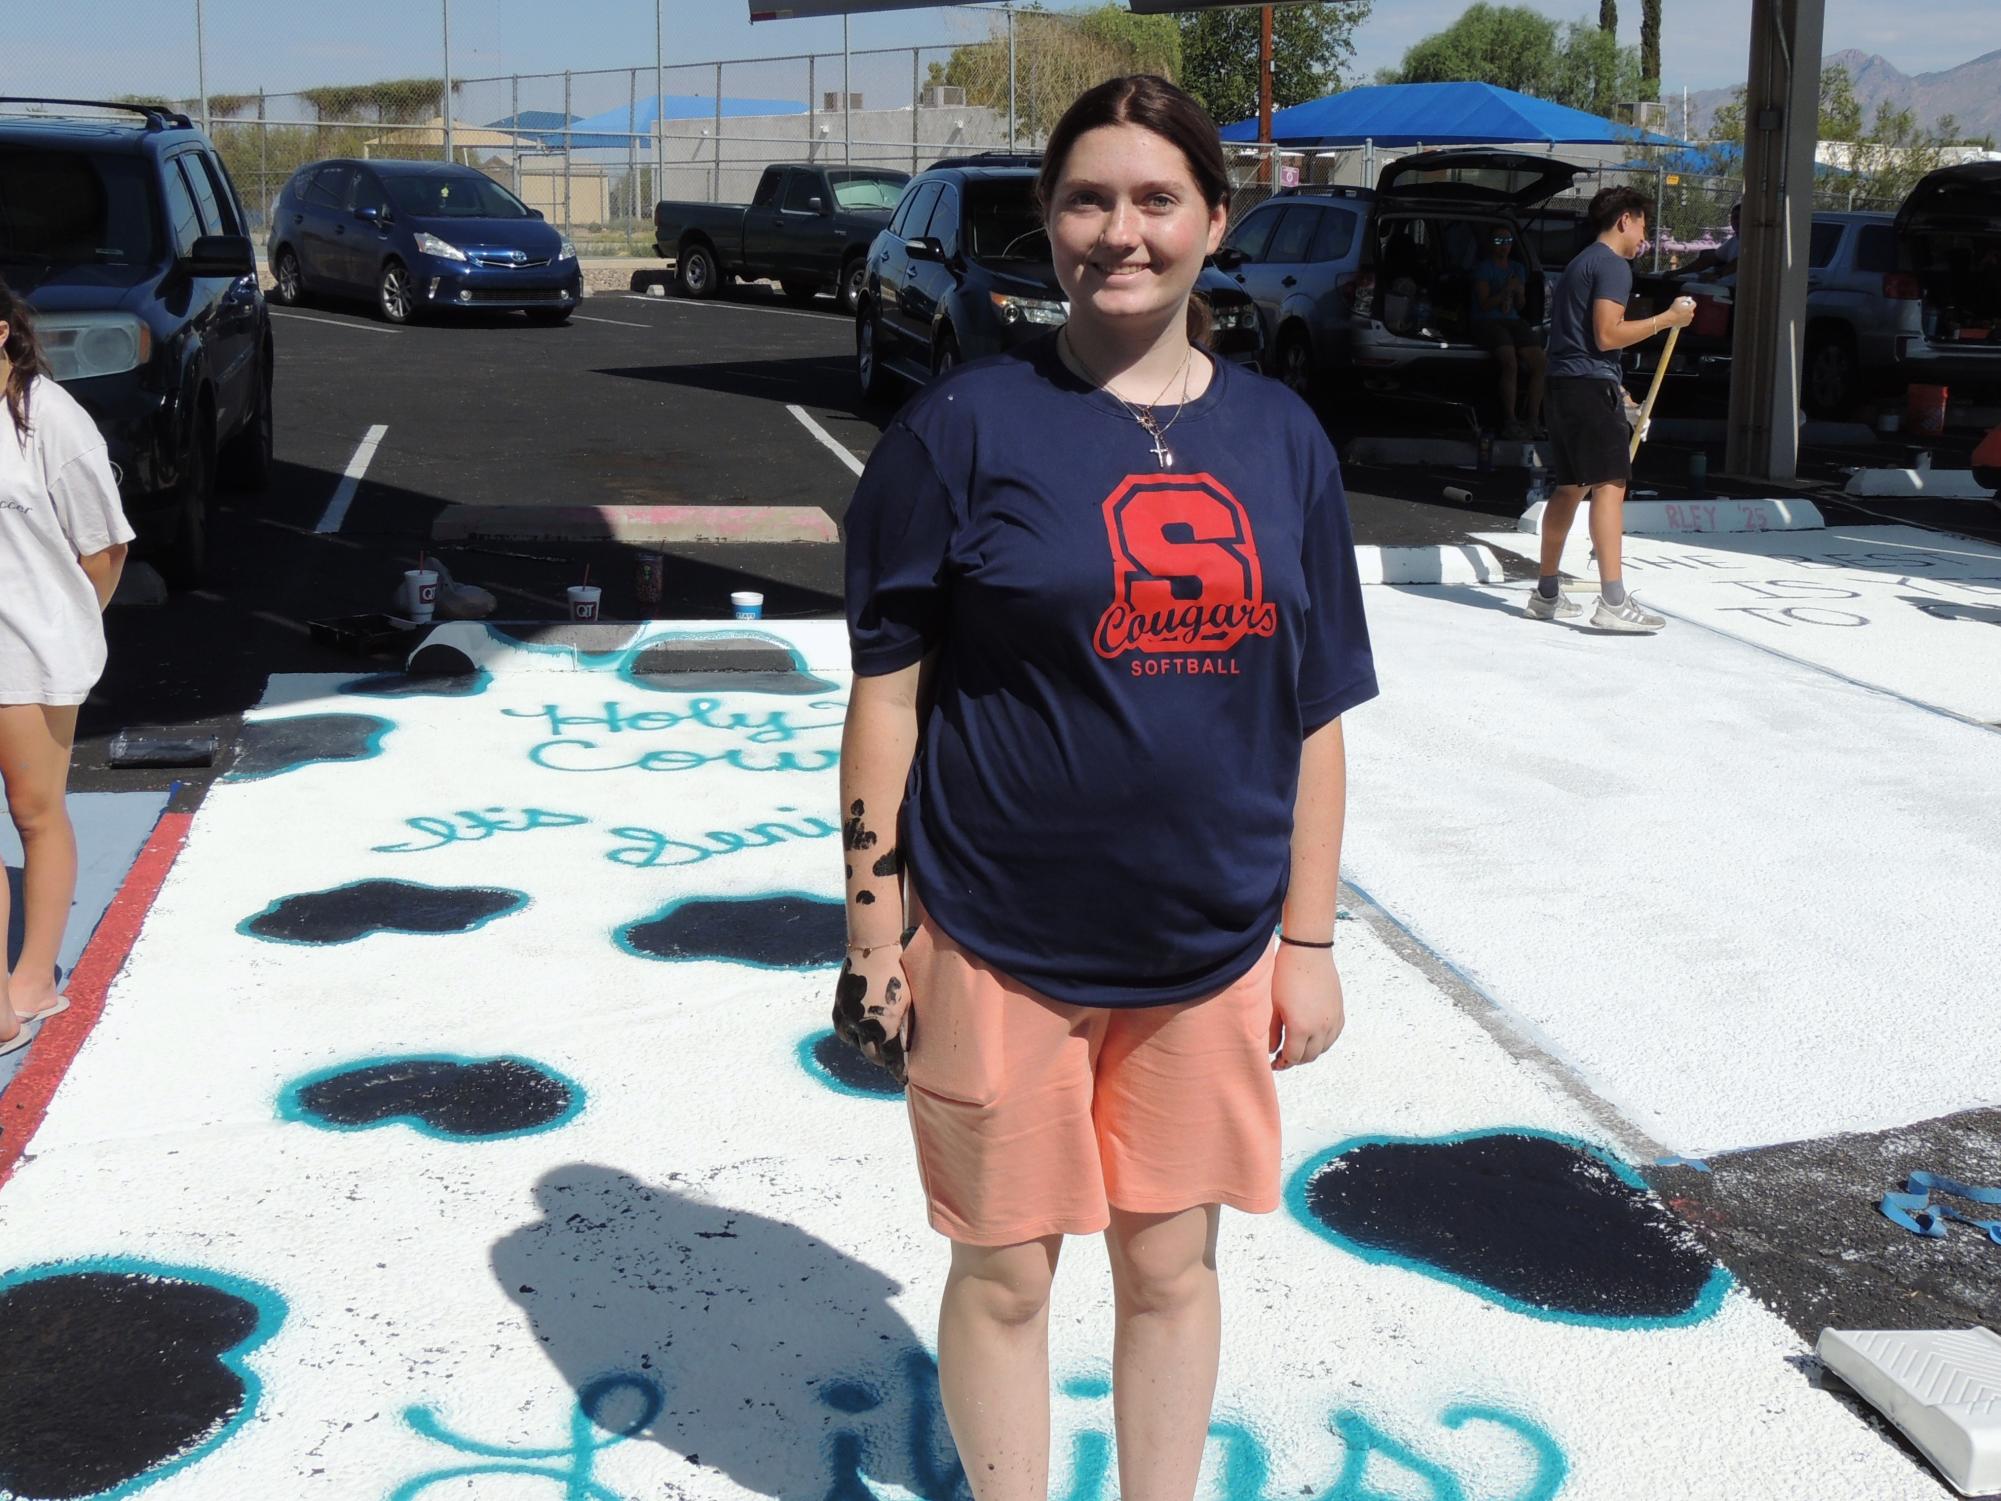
(1541, 1224)
(347, 913)
(272, 747)
(114, 1374)
(459, 1098)
(848, 1067)
(774, 932)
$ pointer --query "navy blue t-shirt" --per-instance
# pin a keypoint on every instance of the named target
(1128, 659)
(1597, 273)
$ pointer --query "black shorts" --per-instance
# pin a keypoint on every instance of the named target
(1589, 438)
(1500, 333)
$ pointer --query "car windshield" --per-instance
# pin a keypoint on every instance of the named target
(1003, 222)
(75, 208)
(864, 191)
(457, 195)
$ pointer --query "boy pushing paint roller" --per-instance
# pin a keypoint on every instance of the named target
(1591, 440)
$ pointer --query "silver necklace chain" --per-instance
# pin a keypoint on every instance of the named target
(1144, 415)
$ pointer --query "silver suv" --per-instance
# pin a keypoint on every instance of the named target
(1377, 286)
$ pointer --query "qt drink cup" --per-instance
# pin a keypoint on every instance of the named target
(584, 601)
(746, 604)
(420, 592)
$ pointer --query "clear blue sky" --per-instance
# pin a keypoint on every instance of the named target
(123, 46)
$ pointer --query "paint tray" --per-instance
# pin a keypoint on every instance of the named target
(1941, 1387)
(130, 748)
(362, 635)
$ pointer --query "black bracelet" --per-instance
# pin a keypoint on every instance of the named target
(1301, 943)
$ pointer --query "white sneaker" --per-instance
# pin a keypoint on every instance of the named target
(1628, 618)
(1563, 607)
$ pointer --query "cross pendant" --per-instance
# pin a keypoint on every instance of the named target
(1162, 452)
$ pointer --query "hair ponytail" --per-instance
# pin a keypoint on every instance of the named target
(24, 356)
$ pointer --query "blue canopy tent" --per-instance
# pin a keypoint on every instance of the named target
(1439, 114)
(617, 128)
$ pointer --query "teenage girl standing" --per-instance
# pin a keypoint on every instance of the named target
(1103, 609)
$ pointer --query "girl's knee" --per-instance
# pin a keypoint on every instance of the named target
(34, 812)
(1006, 1284)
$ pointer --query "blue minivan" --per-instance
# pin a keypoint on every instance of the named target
(418, 238)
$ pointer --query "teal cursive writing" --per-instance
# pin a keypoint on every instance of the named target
(469, 826)
(645, 849)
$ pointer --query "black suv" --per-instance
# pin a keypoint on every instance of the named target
(120, 226)
(963, 270)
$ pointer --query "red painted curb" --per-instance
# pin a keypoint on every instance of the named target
(62, 1037)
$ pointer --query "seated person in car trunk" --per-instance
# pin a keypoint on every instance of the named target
(1500, 297)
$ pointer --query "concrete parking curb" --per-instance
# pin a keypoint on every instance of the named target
(786, 657)
(636, 524)
(1667, 517)
(1890, 484)
(1468, 563)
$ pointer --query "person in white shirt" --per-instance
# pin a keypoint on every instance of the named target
(1723, 259)
(62, 546)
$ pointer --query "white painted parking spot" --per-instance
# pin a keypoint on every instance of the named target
(363, 328)
(343, 496)
(614, 322)
(1899, 608)
(834, 445)
(1748, 902)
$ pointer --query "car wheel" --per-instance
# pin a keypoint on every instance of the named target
(874, 379)
(800, 291)
(1295, 365)
(287, 290)
(1831, 376)
(185, 565)
(696, 272)
(245, 465)
(394, 298)
(945, 358)
(854, 276)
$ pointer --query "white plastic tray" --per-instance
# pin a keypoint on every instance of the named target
(1941, 1387)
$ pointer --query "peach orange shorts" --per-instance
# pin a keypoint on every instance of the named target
(1033, 1117)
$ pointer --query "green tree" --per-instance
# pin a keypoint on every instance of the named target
(1650, 45)
(1058, 56)
(1311, 44)
(1511, 46)
(1592, 72)
(1608, 17)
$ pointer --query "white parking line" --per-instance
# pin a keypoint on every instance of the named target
(286, 526)
(742, 307)
(281, 620)
(364, 328)
(845, 455)
(615, 322)
(343, 495)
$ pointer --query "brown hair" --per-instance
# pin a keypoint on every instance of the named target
(1610, 205)
(24, 356)
(1154, 104)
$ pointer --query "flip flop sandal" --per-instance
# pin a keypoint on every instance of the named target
(55, 1008)
(21, 1040)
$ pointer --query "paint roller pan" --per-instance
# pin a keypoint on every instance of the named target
(162, 750)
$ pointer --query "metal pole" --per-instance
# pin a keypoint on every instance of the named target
(632, 145)
(659, 104)
(514, 135)
(1265, 173)
(201, 69)
(566, 150)
(812, 107)
(264, 193)
(446, 111)
(847, 97)
(916, 110)
(1660, 209)
(716, 176)
(1011, 115)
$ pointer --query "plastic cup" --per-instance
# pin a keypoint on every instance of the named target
(420, 592)
(584, 601)
(747, 604)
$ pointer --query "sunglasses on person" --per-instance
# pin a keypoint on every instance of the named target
(1502, 240)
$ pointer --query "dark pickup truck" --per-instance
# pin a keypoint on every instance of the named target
(809, 229)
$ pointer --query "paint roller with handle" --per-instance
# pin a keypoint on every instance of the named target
(1654, 390)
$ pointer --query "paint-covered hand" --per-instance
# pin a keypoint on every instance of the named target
(1307, 1013)
(872, 1006)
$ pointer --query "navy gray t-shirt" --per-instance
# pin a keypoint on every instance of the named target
(1598, 273)
(1128, 659)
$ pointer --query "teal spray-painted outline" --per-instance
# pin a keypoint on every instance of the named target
(521, 902)
(370, 748)
(271, 1311)
(293, 1108)
(619, 934)
(1707, 1300)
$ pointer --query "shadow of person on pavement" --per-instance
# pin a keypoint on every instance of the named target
(780, 1360)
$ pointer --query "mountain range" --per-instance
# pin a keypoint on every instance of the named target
(1970, 93)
